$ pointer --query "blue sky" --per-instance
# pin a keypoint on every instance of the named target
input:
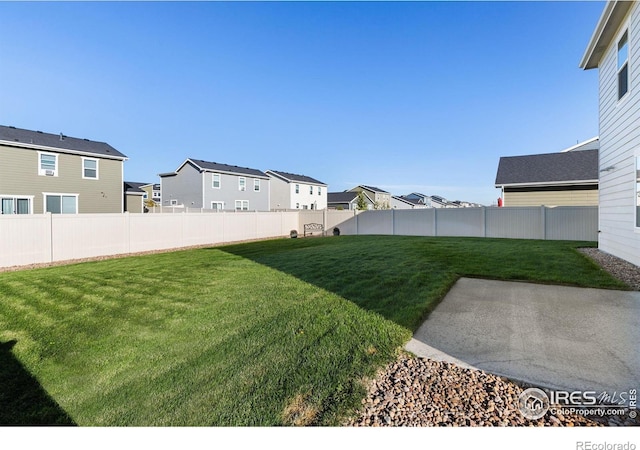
(412, 96)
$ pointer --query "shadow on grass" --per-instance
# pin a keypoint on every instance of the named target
(387, 276)
(23, 401)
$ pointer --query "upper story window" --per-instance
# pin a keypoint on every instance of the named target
(319, 190)
(48, 164)
(311, 190)
(90, 168)
(216, 183)
(297, 188)
(256, 185)
(242, 184)
(623, 65)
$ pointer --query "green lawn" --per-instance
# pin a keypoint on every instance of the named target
(265, 333)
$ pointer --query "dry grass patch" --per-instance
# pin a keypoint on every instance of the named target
(299, 412)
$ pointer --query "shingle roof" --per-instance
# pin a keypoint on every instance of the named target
(373, 188)
(57, 141)
(413, 201)
(132, 186)
(295, 177)
(548, 168)
(214, 166)
(341, 197)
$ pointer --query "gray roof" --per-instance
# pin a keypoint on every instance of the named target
(132, 186)
(373, 189)
(406, 199)
(295, 177)
(341, 197)
(58, 141)
(344, 197)
(549, 168)
(218, 167)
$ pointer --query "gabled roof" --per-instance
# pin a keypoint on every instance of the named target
(344, 197)
(38, 140)
(292, 177)
(406, 199)
(550, 168)
(606, 29)
(134, 187)
(207, 166)
(371, 188)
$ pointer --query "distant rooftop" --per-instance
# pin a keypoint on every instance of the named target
(295, 177)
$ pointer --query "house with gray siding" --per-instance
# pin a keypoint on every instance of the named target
(44, 172)
(293, 191)
(614, 49)
(211, 185)
(403, 202)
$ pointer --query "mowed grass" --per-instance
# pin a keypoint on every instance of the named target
(278, 332)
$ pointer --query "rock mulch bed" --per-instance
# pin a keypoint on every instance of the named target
(619, 268)
(424, 392)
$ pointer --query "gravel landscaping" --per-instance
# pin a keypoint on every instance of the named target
(424, 392)
(619, 268)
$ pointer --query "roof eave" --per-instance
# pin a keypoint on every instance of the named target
(60, 150)
(549, 183)
(610, 20)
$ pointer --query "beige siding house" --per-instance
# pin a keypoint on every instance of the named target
(42, 172)
(567, 178)
(381, 199)
(614, 49)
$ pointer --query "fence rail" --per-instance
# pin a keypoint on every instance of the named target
(44, 238)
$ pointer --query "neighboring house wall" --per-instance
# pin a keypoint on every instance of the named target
(19, 176)
(551, 197)
(280, 194)
(619, 138)
(304, 199)
(182, 189)
(400, 204)
(229, 191)
(133, 203)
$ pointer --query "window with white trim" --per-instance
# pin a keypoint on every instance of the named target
(319, 190)
(90, 168)
(311, 190)
(242, 205)
(48, 164)
(242, 184)
(61, 203)
(623, 65)
(256, 185)
(216, 181)
(297, 205)
(218, 206)
(14, 204)
(173, 202)
(297, 188)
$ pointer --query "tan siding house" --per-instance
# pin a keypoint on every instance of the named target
(614, 49)
(567, 178)
(41, 172)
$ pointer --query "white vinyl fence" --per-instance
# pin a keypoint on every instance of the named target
(578, 223)
(43, 238)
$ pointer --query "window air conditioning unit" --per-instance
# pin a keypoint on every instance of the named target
(49, 173)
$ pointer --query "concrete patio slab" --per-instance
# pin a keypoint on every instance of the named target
(552, 336)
